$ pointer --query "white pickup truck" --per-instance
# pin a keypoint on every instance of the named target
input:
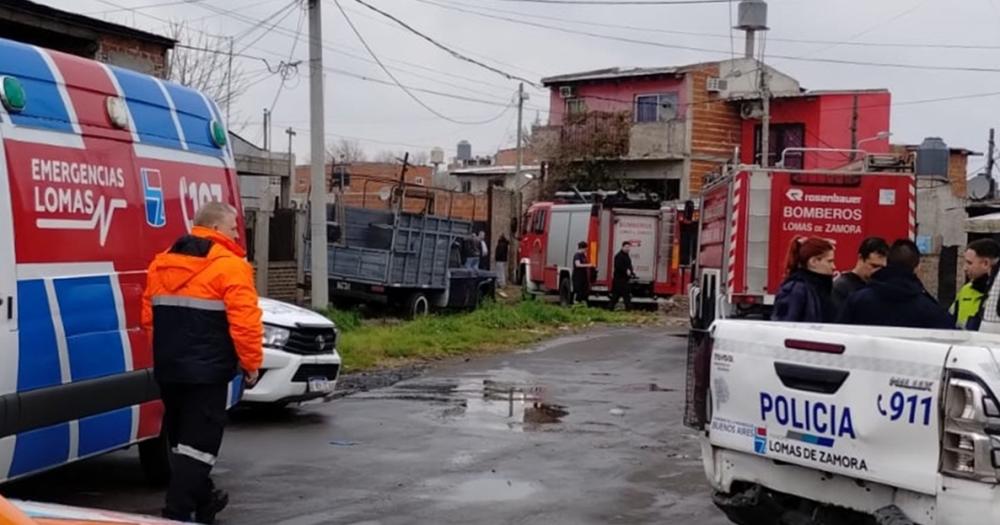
(831, 424)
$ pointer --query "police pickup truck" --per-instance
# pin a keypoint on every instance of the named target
(830, 424)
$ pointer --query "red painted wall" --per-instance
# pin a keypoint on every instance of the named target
(621, 92)
(827, 120)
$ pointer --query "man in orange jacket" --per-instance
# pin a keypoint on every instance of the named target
(200, 306)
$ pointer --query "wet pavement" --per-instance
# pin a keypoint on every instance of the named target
(583, 429)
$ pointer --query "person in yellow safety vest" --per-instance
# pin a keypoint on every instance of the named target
(981, 257)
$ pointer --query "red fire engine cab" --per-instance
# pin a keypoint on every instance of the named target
(661, 235)
(750, 215)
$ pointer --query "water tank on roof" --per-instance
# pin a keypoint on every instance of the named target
(752, 15)
(932, 158)
(437, 156)
(464, 150)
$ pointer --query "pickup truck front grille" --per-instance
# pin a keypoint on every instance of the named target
(311, 341)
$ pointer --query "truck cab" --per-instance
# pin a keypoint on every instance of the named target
(100, 169)
(803, 423)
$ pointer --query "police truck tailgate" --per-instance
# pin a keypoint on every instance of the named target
(848, 400)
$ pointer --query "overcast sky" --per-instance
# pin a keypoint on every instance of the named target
(384, 117)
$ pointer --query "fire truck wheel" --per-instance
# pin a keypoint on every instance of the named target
(565, 292)
(417, 305)
(154, 456)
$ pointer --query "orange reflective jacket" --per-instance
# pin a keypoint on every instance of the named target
(200, 307)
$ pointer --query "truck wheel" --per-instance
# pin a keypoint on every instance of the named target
(417, 305)
(565, 292)
(154, 456)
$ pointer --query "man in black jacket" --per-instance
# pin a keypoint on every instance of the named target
(620, 278)
(895, 296)
(871, 258)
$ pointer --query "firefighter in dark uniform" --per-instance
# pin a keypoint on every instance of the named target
(581, 273)
(621, 275)
(200, 308)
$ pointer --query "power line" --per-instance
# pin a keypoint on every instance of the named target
(869, 29)
(279, 16)
(147, 6)
(636, 41)
(405, 89)
(280, 30)
(621, 2)
(516, 67)
(726, 36)
(439, 45)
(291, 55)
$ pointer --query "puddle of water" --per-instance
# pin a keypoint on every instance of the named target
(491, 490)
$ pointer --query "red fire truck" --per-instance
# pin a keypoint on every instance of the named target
(660, 235)
(750, 215)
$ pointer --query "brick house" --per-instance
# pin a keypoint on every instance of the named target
(123, 46)
(665, 129)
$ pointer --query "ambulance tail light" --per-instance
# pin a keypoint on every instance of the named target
(970, 443)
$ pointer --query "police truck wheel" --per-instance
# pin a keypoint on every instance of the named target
(417, 305)
(154, 456)
(565, 292)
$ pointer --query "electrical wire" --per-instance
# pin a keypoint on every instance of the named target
(871, 28)
(291, 55)
(147, 6)
(406, 89)
(278, 17)
(724, 36)
(621, 2)
(921, 67)
(452, 52)
(280, 30)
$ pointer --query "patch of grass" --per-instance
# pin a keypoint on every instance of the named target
(493, 327)
(346, 320)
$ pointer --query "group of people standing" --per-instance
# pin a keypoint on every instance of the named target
(882, 289)
(476, 254)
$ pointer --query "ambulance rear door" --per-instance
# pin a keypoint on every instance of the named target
(8, 293)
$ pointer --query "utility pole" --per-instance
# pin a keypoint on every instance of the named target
(317, 193)
(286, 188)
(267, 129)
(520, 111)
(990, 155)
(765, 119)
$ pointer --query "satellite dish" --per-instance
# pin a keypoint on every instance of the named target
(384, 193)
(980, 187)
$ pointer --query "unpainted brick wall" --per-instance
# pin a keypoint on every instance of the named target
(281, 283)
(715, 128)
(148, 58)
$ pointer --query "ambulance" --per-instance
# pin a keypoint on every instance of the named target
(100, 169)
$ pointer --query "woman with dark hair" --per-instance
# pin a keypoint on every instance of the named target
(806, 294)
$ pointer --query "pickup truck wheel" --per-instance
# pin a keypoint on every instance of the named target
(565, 292)
(154, 456)
(417, 305)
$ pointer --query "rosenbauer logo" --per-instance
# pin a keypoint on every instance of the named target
(798, 195)
(67, 195)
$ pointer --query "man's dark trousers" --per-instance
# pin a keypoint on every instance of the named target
(194, 419)
(620, 289)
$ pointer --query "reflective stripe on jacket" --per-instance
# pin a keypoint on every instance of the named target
(201, 306)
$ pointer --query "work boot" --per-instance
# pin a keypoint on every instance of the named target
(207, 511)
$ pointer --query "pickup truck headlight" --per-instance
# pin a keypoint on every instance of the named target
(968, 448)
(275, 336)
